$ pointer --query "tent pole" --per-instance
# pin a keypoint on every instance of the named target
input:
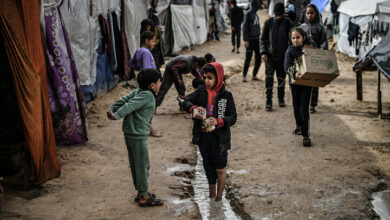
(379, 95)
(359, 86)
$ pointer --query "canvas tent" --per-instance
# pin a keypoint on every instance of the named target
(185, 24)
(369, 18)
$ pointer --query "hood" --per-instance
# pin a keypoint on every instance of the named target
(255, 6)
(317, 18)
(220, 75)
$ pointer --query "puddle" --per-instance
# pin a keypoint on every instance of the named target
(209, 208)
(381, 204)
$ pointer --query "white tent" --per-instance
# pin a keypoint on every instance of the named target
(362, 13)
(186, 24)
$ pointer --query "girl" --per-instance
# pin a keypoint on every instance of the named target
(300, 94)
(316, 33)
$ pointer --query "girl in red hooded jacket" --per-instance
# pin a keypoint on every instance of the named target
(213, 112)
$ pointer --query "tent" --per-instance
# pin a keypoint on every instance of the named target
(22, 41)
(370, 20)
(377, 58)
(185, 24)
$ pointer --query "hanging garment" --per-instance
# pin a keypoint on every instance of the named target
(66, 98)
(114, 60)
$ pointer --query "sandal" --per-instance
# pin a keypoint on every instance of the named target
(306, 142)
(136, 199)
(297, 131)
(151, 202)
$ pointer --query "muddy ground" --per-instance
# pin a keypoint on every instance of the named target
(271, 175)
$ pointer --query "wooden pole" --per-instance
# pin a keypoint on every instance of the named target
(359, 86)
(379, 95)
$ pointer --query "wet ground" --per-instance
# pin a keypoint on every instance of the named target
(270, 174)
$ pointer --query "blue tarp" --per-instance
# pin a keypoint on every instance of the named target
(321, 4)
(105, 78)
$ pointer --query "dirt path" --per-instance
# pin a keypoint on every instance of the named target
(270, 174)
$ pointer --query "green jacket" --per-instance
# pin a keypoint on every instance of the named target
(137, 108)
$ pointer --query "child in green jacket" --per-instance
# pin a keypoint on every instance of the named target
(137, 109)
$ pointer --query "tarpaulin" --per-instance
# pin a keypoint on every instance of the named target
(20, 29)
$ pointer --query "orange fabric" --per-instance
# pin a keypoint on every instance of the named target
(20, 30)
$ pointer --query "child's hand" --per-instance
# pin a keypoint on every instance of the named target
(199, 113)
(110, 115)
(213, 121)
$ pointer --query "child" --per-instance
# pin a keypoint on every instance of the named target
(300, 94)
(158, 51)
(209, 58)
(291, 11)
(173, 74)
(220, 110)
(251, 36)
(137, 109)
(273, 45)
(143, 58)
(236, 18)
(316, 33)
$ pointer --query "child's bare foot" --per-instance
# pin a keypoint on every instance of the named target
(217, 199)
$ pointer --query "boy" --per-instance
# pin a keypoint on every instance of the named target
(251, 35)
(209, 58)
(143, 58)
(273, 45)
(173, 74)
(220, 109)
(236, 18)
(137, 109)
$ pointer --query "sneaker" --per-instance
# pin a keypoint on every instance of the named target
(282, 104)
(255, 78)
(244, 79)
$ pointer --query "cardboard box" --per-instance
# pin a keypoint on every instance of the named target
(319, 67)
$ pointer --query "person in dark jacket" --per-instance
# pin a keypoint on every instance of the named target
(251, 35)
(300, 94)
(316, 34)
(173, 74)
(304, 4)
(236, 18)
(158, 50)
(211, 131)
(273, 45)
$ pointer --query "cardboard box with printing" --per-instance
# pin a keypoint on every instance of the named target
(319, 67)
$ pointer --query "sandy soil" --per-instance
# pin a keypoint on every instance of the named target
(270, 174)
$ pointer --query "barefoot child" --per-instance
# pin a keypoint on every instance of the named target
(211, 131)
(300, 94)
(137, 109)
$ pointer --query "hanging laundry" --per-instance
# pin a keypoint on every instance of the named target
(67, 103)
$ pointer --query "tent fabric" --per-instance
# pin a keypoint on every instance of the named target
(354, 8)
(379, 55)
(182, 26)
(67, 103)
(200, 21)
(20, 30)
(321, 4)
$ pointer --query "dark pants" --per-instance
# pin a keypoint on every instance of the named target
(212, 157)
(254, 45)
(236, 36)
(314, 97)
(301, 101)
(270, 67)
(166, 83)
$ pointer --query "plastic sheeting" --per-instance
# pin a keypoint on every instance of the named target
(134, 12)
(379, 55)
(200, 20)
(354, 8)
(182, 25)
(84, 32)
(321, 4)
